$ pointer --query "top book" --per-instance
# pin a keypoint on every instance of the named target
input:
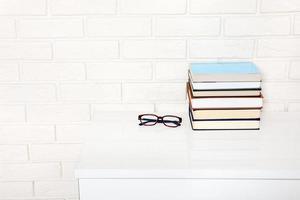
(224, 72)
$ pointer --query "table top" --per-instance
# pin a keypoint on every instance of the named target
(123, 149)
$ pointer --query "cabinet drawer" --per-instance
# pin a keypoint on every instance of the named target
(188, 189)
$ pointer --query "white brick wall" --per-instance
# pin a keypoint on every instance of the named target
(55, 152)
(7, 28)
(9, 71)
(52, 71)
(12, 113)
(56, 188)
(280, 47)
(118, 26)
(21, 92)
(222, 7)
(187, 26)
(51, 113)
(64, 62)
(178, 69)
(153, 49)
(280, 6)
(16, 189)
(256, 26)
(153, 6)
(273, 69)
(25, 50)
(297, 25)
(27, 133)
(221, 48)
(152, 92)
(99, 92)
(11, 153)
(50, 28)
(294, 72)
(82, 7)
(294, 107)
(117, 71)
(20, 7)
(89, 50)
(30, 171)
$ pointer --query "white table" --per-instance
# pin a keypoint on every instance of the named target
(127, 162)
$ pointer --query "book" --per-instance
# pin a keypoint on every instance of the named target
(199, 114)
(226, 86)
(224, 72)
(224, 102)
(222, 93)
(225, 93)
(252, 124)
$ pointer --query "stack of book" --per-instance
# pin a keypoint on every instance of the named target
(224, 96)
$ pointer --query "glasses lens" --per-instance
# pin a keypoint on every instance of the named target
(171, 121)
(148, 120)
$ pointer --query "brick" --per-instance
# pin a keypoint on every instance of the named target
(98, 109)
(79, 7)
(21, 7)
(119, 71)
(294, 107)
(16, 189)
(27, 92)
(29, 171)
(77, 132)
(281, 91)
(171, 108)
(154, 49)
(50, 113)
(154, 92)
(257, 25)
(118, 26)
(52, 71)
(153, 7)
(7, 28)
(272, 69)
(25, 50)
(280, 6)
(297, 25)
(55, 152)
(50, 27)
(122, 107)
(91, 91)
(9, 71)
(221, 48)
(56, 188)
(187, 26)
(278, 48)
(68, 169)
(12, 113)
(171, 71)
(13, 153)
(79, 50)
(222, 7)
(294, 71)
(26, 133)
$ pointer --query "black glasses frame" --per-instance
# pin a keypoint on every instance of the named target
(159, 119)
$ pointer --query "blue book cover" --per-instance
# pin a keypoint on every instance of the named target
(224, 68)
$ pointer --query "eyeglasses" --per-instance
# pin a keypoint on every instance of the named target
(151, 119)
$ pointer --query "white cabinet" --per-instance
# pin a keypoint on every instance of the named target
(128, 162)
(188, 189)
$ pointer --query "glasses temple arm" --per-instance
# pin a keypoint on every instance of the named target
(148, 120)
